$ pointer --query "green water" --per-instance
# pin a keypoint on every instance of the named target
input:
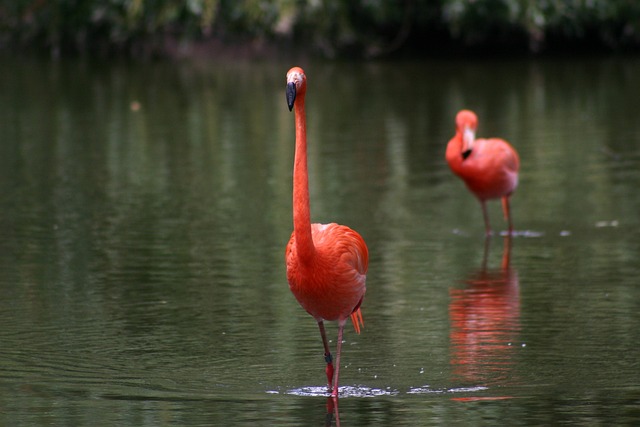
(145, 209)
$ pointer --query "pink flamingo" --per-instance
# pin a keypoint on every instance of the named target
(489, 167)
(326, 263)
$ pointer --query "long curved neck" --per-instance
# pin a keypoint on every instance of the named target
(301, 209)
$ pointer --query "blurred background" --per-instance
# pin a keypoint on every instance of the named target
(329, 28)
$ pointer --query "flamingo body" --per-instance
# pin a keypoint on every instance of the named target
(488, 167)
(326, 263)
(331, 285)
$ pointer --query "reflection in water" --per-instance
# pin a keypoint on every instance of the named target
(332, 412)
(485, 323)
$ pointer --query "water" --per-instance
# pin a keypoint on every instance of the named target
(145, 209)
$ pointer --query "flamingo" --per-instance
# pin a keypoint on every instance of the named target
(326, 263)
(489, 167)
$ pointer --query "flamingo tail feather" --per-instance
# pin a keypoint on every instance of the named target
(357, 320)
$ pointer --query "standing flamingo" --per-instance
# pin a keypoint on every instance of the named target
(489, 167)
(326, 263)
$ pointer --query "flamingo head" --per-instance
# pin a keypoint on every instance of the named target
(466, 124)
(296, 85)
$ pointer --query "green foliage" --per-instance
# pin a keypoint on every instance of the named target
(610, 23)
(79, 25)
(332, 27)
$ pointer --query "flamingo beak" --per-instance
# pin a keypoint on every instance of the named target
(468, 136)
(291, 94)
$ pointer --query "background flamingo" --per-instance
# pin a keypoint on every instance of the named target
(326, 263)
(489, 167)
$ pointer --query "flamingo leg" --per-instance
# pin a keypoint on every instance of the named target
(485, 214)
(327, 354)
(507, 212)
(336, 375)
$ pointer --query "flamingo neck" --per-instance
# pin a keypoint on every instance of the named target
(301, 209)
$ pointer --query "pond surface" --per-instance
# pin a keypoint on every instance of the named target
(144, 211)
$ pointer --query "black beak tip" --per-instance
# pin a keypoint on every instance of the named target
(291, 95)
(466, 154)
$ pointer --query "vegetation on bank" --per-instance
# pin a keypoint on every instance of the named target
(332, 28)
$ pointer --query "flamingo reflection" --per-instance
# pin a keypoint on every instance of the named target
(332, 413)
(485, 323)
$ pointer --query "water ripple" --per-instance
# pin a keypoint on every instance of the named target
(345, 391)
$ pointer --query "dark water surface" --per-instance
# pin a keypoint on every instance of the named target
(144, 211)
